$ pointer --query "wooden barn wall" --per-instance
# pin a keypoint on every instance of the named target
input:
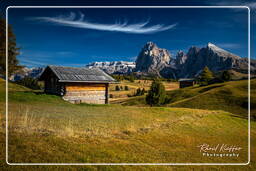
(184, 84)
(52, 85)
(86, 93)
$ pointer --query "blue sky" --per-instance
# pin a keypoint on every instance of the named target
(75, 37)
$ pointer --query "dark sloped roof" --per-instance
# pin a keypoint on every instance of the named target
(72, 74)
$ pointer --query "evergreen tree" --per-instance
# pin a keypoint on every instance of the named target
(205, 76)
(143, 91)
(13, 50)
(156, 94)
(117, 88)
(131, 78)
(226, 76)
(126, 88)
(30, 83)
(138, 92)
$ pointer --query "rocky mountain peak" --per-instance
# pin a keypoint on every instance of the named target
(193, 51)
(150, 46)
(181, 57)
(213, 47)
(152, 59)
(209, 44)
(220, 52)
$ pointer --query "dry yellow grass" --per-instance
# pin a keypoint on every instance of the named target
(133, 86)
(46, 129)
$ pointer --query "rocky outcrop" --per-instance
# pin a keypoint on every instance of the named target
(215, 58)
(116, 67)
(181, 58)
(155, 60)
(152, 60)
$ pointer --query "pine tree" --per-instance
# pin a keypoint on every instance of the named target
(143, 91)
(126, 88)
(226, 76)
(156, 94)
(205, 76)
(13, 50)
(138, 92)
(117, 88)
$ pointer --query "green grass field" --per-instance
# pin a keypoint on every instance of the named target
(230, 96)
(44, 128)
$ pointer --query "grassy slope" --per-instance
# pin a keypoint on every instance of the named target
(229, 96)
(133, 86)
(56, 131)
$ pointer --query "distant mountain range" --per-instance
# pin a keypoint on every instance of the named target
(27, 72)
(153, 60)
(116, 67)
(157, 61)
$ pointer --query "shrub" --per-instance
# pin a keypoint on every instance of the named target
(117, 88)
(30, 83)
(126, 88)
(143, 91)
(156, 94)
(131, 78)
(226, 76)
(138, 92)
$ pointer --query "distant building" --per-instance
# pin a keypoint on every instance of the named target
(77, 85)
(186, 82)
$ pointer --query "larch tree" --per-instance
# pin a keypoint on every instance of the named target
(13, 50)
(205, 76)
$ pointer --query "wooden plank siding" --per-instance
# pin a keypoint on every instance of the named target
(91, 93)
(77, 85)
(81, 86)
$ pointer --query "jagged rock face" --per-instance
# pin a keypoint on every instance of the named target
(152, 59)
(181, 58)
(116, 67)
(156, 61)
(215, 58)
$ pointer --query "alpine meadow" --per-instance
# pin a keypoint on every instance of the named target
(127, 86)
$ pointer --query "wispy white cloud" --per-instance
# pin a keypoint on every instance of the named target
(73, 20)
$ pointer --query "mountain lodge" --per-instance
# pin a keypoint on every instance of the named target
(77, 85)
(186, 82)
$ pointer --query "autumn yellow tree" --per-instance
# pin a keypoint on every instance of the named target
(13, 50)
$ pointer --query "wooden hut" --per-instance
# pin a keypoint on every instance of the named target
(186, 82)
(77, 85)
